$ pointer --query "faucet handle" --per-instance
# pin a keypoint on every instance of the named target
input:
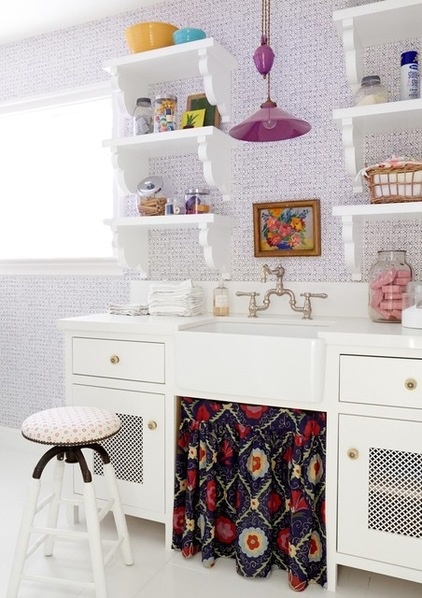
(252, 301)
(307, 308)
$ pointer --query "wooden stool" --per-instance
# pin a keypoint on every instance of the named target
(69, 430)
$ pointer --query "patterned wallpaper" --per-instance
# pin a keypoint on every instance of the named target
(308, 80)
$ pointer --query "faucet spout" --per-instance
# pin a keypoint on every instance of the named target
(279, 291)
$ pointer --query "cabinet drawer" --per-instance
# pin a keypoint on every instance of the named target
(128, 360)
(393, 381)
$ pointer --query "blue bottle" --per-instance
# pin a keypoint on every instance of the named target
(409, 76)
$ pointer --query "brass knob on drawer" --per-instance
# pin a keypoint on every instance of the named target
(410, 384)
(353, 453)
(152, 425)
(114, 359)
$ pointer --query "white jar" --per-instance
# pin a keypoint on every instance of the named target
(371, 91)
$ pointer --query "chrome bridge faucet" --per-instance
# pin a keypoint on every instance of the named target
(279, 291)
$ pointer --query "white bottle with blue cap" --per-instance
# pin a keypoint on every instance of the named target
(409, 84)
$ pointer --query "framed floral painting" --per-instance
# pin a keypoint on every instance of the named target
(287, 228)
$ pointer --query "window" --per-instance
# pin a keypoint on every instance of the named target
(56, 186)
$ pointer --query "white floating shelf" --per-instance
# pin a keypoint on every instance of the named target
(213, 147)
(358, 121)
(130, 238)
(374, 24)
(353, 219)
(133, 74)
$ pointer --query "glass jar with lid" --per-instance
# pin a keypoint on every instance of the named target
(142, 117)
(388, 278)
(371, 92)
(196, 201)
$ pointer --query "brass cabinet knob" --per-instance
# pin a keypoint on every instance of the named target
(410, 384)
(152, 425)
(114, 359)
(353, 453)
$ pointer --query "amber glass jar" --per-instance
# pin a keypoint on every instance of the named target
(388, 278)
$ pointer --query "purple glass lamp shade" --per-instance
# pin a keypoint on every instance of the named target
(270, 124)
(263, 57)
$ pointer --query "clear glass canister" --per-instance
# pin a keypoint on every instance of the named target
(196, 201)
(371, 92)
(142, 117)
(165, 113)
(388, 278)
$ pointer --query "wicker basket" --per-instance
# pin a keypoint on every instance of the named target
(390, 184)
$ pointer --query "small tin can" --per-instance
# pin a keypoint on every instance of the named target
(165, 113)
(196, 201)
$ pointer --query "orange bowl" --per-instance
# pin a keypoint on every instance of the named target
(149, 36)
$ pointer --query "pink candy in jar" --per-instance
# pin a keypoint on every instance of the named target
(388, 278)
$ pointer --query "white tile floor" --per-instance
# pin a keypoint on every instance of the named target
(157, 573)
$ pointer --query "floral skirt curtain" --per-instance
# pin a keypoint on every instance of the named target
(250, 485)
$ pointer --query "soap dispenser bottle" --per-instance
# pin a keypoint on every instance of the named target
(221, 300)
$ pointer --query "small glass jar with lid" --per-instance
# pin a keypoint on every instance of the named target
(388, 278)
(142, 117)
(371, 92)
(196, 201)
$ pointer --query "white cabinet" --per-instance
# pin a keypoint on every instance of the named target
(380, 490)
(131, 77)
(128, 374)
(375, 481)
(373, 24)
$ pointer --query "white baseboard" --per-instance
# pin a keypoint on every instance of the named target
(11, 439)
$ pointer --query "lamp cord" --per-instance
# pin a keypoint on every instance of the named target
(266, 20)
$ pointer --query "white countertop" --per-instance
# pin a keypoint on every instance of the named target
(349, 331)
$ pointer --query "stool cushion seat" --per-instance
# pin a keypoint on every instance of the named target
(70, 426)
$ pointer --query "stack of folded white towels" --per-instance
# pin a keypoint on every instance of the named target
(175, 299)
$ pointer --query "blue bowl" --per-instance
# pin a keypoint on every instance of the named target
(187, 34)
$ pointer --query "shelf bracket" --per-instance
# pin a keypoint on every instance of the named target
(352, 239)
(353, 152)
(216, 162)
(216, 83)
(131, 247)
(353, 53)
(216, 244)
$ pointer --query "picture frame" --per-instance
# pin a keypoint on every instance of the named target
(287, 228)
(199, 101)
(192, 119)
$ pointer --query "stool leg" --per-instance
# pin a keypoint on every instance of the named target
(23, 538)
(119, 516)
(53, 511)
(95, 545)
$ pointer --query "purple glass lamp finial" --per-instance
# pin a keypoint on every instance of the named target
(263, 57)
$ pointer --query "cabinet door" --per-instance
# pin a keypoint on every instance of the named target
(380, 490)
(136, 452)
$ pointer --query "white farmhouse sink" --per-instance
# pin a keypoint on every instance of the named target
(280, 361)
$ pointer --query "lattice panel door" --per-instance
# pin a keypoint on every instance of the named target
(380, 490)
(136, 452)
